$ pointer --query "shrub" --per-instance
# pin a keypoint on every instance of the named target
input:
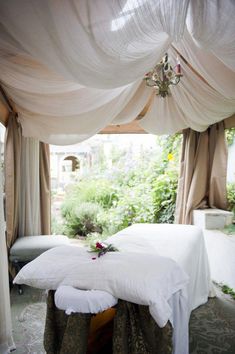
(231, 196)
(99, 191)
(164, 197)
(134, 205)
(82, 219)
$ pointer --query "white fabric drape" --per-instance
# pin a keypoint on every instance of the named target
(193, 103)
(29, 203)
(212, 27)
(81, 64)
(218, 75)
(6, 340)
(93, 41)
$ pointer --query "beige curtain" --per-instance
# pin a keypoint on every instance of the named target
(12, 151)
(202, 181)
(45, 187)
(29, 198)
(21, 181)
(6, 340)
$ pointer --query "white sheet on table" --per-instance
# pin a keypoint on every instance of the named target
(143, 279)
(180, 320)
(72, 300)
(182, 243)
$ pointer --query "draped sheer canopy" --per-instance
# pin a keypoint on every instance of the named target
(72, 67)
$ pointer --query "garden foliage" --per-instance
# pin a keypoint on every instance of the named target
(231, 197)
(139, 191)
(132, 191)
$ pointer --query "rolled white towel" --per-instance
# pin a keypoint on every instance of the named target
(70, 300)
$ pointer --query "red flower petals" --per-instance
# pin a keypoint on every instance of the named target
(99, 245)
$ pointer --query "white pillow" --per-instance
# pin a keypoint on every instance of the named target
(49, 269)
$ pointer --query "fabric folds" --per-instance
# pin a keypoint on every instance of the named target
(45, 188)
(27, 184)
(81, 66)
(12, 154)
(123, 333)
(6, 339)
(202, 181)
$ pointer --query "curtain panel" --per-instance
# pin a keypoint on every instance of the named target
(6, 339)
(27, 184)
(29, 196)
(202, 180)
(45, 188)
(12, 158)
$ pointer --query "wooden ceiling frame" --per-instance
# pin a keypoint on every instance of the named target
(5, 106)
(129, 128)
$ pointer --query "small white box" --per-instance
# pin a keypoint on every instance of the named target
(211, 219)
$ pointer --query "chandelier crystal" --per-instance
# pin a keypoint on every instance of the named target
(163, 75)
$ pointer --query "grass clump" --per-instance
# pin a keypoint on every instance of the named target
(229, 229)
(227, 290)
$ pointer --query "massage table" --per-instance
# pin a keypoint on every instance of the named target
(166, 261)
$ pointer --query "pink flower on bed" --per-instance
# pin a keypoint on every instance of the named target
(99, 245)
(102, 248)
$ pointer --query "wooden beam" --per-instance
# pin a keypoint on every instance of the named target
(230, 122)
(146, 108)
(129, 128)
(4, 112)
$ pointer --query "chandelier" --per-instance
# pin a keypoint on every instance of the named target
(163, 75)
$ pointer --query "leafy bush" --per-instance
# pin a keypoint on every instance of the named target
(164, 197)
(99, 191)
(84, 202)
(230, 134)
(135, 205)
(231, 196)
(82, 219)
(227, 290)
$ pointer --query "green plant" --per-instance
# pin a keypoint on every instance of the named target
(230, 134)
(229, 229)
(82, 219)
(101, 248)
(171, 147)
(231, 196)
(135, 205)
(227, 290)
(100, 191)
(164, 197)
(140, 190)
